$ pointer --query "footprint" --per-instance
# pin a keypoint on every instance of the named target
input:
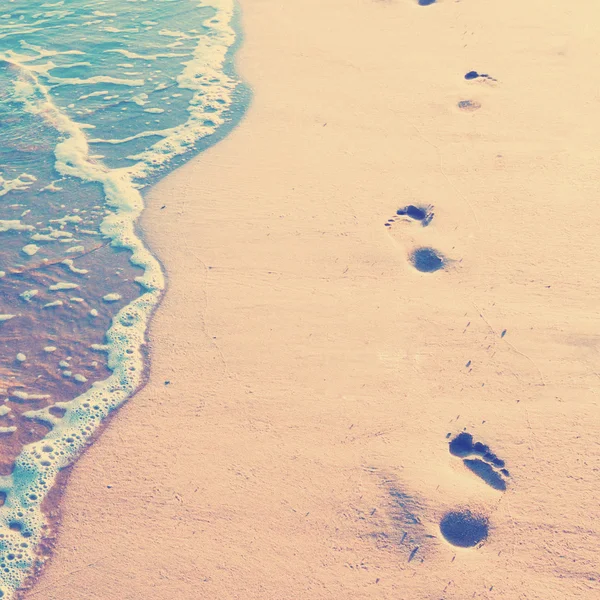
(473, 105)
(475, 75)
(424, 259)
(478, 458)
(424, 214)
(426, 2)
(407, 522)
(427, 260)
(407, 526)
(464, 529)
(469, 105)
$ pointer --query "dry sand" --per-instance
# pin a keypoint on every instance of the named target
(300, 449)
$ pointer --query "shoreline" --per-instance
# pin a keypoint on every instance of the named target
(314, 374)
(123, 196)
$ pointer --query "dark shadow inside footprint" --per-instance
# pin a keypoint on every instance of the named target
(426, 2)
(486, 472)
(474, 75)
(414, 212)
(462, 444)
(486, 466)
(469, 105)
(464, 529)
(427, 260)
(417, 213)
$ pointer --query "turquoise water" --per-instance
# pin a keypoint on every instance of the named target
(98, 99)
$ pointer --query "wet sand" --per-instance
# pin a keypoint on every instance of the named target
(292, 441)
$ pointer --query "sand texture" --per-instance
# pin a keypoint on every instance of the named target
(300, 450)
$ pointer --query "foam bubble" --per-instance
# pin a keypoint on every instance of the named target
(111, 297)
(30, 249)
(28, 295)
(51, 187)
(100, 347)
(21, 395)
(134, 55)
(52, 236)
(63, 285)
(70, 265)
(177, 34)
(20, 183)
(14, 225)
(137, 136)
(67, 219)
(94, 94)
(95, 80)
(53, 304)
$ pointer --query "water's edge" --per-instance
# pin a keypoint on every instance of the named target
(33, 491)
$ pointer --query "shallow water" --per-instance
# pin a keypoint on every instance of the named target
(98, 99)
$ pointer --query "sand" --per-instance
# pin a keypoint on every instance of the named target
(300, 449)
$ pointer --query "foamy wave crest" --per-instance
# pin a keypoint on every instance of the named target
(213, 92)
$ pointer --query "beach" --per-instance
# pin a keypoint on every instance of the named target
(305, 380)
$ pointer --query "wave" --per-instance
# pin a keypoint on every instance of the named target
(23, 522)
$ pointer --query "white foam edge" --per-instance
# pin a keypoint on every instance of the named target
(213, 91)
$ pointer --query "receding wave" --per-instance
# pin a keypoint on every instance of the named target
(84, 132)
